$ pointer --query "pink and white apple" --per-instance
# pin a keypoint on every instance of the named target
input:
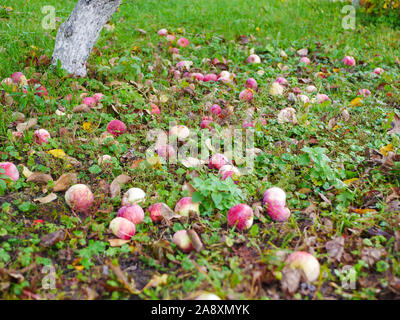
(253, 59)
(122, 228)
(274, 196)
(42, 136)
(182, 240)
(155, 211)
(89, 101)
(349, 61)
(240, 216)
(166, 151)
(185, 205)
(217, 161)
(133, 196)
(211, 77)
(10, 169)
(215, 109)
(180, 131)
(162, 32)
(182, 42)
(278, 213)
(251, 83)
(79, 198)
(134, 213)
(307, 263)
(246, 95)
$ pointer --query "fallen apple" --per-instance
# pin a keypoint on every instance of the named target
(10, 169)
(278, 213)
(116, 127)
(79, 198)
(133, 196)
(134, 213)
(217, 161)
(182, 240)
(307, 263)
(185, 205)
(240, 216)
(42, 136)
(122, 228)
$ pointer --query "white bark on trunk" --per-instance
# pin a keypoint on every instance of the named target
(77, 36)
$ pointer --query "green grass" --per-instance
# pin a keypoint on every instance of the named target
(280, 23)
(309, 160)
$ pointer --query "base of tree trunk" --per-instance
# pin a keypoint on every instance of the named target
(77, 36)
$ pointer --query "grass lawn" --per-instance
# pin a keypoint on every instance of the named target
(337, 162)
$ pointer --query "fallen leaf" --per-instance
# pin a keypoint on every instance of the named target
(356, 102)
(117, 242)
(196, 241)
(349, 182)
(302, 52)
(188, 187)
(52, 238)
(362, 211)
(191, 162)
(160, 248)
(290, 279)
(156, 281)
(49, 198)
(386, 149)
(372, 255)
(81, 108)
(26, 172)
(116, 185)
(57, 153)
(39, 177)
(325, 198)
(21, 127)
(129, 285)
(65, 181)
(335, 248)
(136, 163)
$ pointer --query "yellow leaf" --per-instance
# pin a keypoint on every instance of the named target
(363, 211)
(79, 268)
(335, 128)
(357, 102)
(155, 162)
(87, 126)
(57, 153)
(386, 149)
(349, 182)
(336, 70)
(117, 242)
(157, 281)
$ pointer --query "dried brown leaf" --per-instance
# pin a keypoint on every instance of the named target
(81, 108)
(117, 242)
(290, 280)
(39, 177)
(116, 185)
(52, 238)
(196, 241)
(65, 181)
(47, 199)
(335, 248)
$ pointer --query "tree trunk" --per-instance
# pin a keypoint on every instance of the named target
(77, 36)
